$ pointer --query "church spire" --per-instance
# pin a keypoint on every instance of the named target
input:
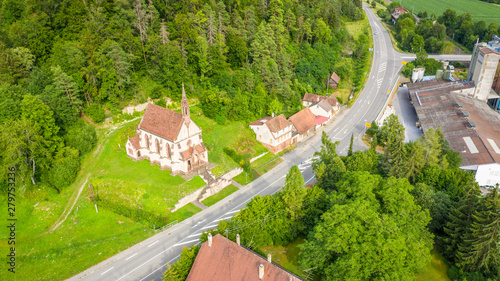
(185, 107)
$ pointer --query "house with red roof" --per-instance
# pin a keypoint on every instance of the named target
(222, 259)
(168, 138)
(397, 13)
(275, 133)
(303, 123)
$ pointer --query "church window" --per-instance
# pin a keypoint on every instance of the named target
(157, 146)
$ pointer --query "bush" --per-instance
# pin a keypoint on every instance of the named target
(95, 112)
(147, 218)
(81, 137)
(221, 120)
(63, 171)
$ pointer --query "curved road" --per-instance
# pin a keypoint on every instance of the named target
(147, 260)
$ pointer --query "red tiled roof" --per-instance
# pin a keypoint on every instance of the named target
(320, 119)
(335, 77)
(332, 100)
(199, 148)
(313, 98)
(261, 121)
(187, 154)
(225, 260)
(303, 120)
(277, 123)
(135, 142)
(161, 122)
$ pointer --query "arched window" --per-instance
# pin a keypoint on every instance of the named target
(157, 146)
(147, 140)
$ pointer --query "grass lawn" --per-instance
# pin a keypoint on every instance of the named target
(357, 28)
(286, 256)
(479, 10)
(436, 271)
(259, 167)
(234, 134)
(185, 212)
(220, 195)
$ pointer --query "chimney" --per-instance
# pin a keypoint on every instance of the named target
(238, 239)
(269, 257)
(209, 240)
(261, 271)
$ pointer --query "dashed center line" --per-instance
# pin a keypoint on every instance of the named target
(153, 243)
(130, 257)
(107, 271)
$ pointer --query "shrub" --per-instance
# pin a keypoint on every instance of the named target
(81, 137)
(95, 112)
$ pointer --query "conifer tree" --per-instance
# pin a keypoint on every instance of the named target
(481, 249)
(459, 222)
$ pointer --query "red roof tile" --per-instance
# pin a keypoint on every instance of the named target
(199, 148)
(325, 105)
(335, 77)
(313, 98)
(225, 260)
(303, 120)
(277, 123)
(135, 142)
(161, 122)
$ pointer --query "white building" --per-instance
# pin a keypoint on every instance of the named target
(322, 108)
(275, 133)
(170, 139)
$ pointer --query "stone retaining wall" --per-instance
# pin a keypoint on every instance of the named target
(188, 199)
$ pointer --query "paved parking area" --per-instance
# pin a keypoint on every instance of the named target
(406, 113)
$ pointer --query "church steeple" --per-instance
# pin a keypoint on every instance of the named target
(185, 107)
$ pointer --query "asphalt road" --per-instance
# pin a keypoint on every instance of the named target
(147, 260)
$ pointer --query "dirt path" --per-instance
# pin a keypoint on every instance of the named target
(69, 207)
(86, 175)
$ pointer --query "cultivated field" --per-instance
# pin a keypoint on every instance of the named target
(479, 10)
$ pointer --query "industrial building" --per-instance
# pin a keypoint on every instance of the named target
(484, 72)
(470, 125)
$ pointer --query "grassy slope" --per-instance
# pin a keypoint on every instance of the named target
(234, 134)
(478, 9)
(259, 167)
(87, 237)
(220, 195)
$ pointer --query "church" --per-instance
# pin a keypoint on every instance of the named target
(170, 139)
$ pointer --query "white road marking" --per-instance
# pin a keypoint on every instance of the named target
(193, 235)
(221, 219)
(232, 212)
(187, 242)
(153, 243)
(209, 226)
(309, 179)
(130, 257)
(107, 270)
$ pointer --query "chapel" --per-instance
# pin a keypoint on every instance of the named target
(168, 138)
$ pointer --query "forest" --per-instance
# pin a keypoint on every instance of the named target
(429, 36)
(375, 214)
(67, 65)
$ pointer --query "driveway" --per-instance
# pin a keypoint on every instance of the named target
(406, 113)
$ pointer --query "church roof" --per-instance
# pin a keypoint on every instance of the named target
(162, 122)
(189, 152)
(303, 120)
(135, 142)
(226, 260)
